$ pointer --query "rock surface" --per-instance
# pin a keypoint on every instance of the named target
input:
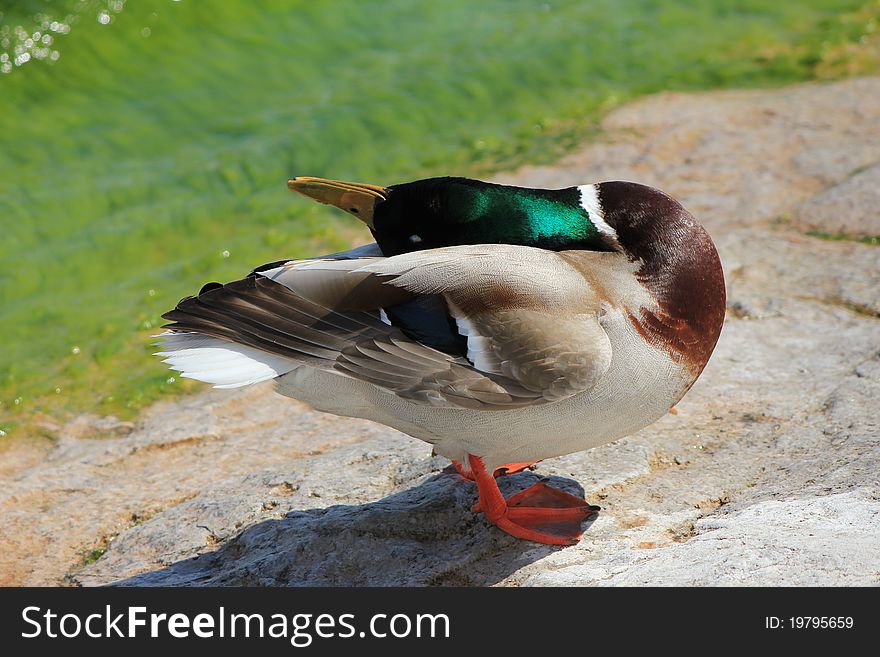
(767, 474)
(850, 208)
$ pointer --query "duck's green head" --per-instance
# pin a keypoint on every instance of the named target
(438, 212)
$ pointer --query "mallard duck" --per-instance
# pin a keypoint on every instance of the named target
(503, 325)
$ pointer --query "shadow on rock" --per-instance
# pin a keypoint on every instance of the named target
(425, 535)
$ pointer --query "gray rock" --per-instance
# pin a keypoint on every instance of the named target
(424, 534)
(850, 208)
(815, 541)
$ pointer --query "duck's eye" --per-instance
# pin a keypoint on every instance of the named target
(353, 210)
(415, 239)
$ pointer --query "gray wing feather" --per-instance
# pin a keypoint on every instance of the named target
(324, 313)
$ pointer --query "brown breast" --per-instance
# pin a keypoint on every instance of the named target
(677, 264)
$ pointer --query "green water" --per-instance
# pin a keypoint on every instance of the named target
(151, 155)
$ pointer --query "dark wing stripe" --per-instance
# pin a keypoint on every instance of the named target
(427, 320)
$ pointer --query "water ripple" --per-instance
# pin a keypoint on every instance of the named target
(36, 40)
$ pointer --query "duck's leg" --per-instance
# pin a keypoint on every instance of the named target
(506, 469)
(512, 468)
(540, 513)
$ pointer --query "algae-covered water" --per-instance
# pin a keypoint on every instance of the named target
(145, 145)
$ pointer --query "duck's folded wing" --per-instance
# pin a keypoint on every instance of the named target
(532, 327)
(530, 318)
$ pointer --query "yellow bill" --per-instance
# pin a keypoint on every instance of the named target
(358, 199)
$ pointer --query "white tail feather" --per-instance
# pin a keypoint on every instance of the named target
(225, 364)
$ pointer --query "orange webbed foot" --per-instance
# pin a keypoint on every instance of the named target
(540, 513)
